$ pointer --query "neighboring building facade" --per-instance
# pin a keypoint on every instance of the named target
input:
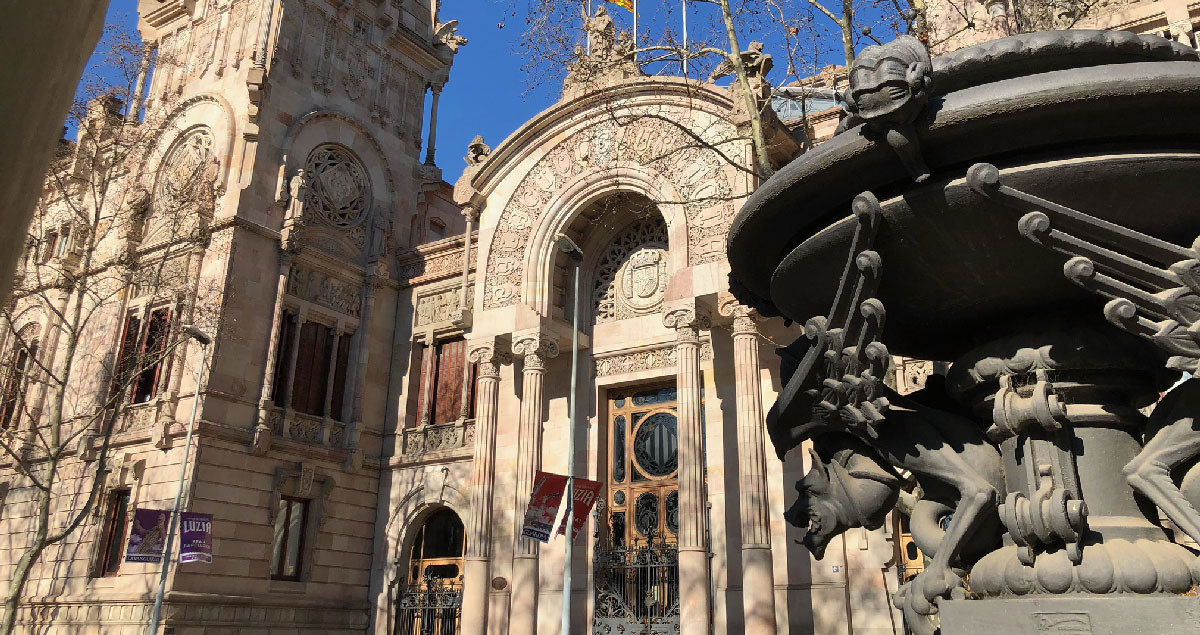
(304, 118)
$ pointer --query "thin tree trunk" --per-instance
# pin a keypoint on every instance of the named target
(847, 24)
(765, 170)
(32, 554)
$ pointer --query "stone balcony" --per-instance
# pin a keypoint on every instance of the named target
(437, 443)
(303, 428)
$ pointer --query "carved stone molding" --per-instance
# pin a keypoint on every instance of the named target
(649, 359)
(441, 307)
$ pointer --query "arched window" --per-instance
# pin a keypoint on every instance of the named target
(437, 551)
(16, 381)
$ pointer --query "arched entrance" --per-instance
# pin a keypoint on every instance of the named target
(430, 603)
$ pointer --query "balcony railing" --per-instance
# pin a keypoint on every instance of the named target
(448, 438)
(289, 424)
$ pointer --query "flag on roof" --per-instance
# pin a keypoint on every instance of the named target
(627, 4)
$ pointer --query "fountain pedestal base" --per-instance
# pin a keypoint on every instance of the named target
(1073, 615)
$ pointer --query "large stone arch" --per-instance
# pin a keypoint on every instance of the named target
(328, 128)
(208, 111)
(418, 504)
(331, 126)
(578, 194)
(658, 153)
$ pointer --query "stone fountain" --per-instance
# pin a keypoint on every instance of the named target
(1028, 210)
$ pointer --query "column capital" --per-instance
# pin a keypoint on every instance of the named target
(470, 212)
(535, 346)
(687, 318)
(744, 317)
(490, 354)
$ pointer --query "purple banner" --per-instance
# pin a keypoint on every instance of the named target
(195, 537)
(147, 535)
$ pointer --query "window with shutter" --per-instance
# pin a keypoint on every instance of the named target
(283, 359)
(444, 381)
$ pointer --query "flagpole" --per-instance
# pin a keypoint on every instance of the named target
(587, 35)
(685, 47)
(635, 40)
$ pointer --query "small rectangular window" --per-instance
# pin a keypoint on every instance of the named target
(113, 536)
(60, 248)
(287, 556)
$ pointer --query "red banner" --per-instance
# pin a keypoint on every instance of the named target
(585, 496)
(544, 502)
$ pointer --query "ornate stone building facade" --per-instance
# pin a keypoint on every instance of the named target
(688, 536)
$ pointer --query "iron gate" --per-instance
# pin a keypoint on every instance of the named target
(432, 608)
(637, 589)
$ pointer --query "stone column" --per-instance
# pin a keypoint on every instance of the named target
(758, 578)
(269, 379)
(470, 214)
(139, 87)
(534, 348)
(695, 605)
(477, 568)
(264, 34)
(433, 113)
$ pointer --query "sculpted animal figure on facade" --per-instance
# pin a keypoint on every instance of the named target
(1153, 291)
(862, 431)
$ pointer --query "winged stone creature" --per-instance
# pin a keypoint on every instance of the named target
(862, 432)
(1153, 291)
(756, 63)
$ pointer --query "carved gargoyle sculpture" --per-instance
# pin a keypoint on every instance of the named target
(889, 86)
(756, 64)
(834, 394)
(1153, 291)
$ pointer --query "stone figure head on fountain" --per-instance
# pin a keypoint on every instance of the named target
(843, 489)
(890, 83)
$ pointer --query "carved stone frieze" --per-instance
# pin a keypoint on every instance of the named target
(636, 361)
(425, 267)
(698, 174)
(325, 290)
(439, 307)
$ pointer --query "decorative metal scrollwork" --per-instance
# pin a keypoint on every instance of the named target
(645, 518)
(656, 445)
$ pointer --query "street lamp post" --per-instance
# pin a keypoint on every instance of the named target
(572, 250)
(204, 340)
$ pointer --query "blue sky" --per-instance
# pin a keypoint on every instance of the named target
(489, 93)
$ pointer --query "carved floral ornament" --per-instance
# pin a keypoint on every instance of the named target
(697, 174)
